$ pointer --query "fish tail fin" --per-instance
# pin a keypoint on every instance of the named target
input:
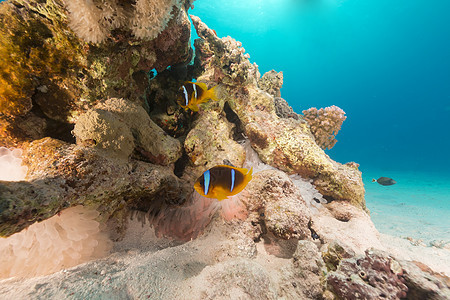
(194, 107)
(211, 94)
(374, 180)
(248, 176)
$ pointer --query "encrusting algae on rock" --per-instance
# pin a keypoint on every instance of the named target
(34, 52)
(48, 72)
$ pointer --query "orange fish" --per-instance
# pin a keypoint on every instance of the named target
(222, 181)
(194, 93)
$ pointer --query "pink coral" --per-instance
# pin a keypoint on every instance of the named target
(325, 124)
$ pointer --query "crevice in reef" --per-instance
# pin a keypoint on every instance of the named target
(328, 198)
(181, 164)
(273, 245)
(161, 101)
(232, 117)
(314, 234)
(53, 128)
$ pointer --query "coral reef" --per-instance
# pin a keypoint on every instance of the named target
(283, 143)
(34, 53)
(228, 64)
(350, 225)
(206, 267)
(298, 230)
(275, 202)
(334, 254)
(308, 270)
(325, 124)
(209, 143)
(283, 110)
(423, 283)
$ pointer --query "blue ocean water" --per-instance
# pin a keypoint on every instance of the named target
(387, 65)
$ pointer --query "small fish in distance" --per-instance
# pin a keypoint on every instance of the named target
(192, 94)
(222, 181)
(385, 181)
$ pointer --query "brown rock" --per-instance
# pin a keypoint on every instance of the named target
(62, 175)
(366, 277)
(276, 202)
(209, 142)
(423, 283)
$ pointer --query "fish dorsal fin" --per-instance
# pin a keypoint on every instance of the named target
(202, 85)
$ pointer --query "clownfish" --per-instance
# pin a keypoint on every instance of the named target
(194, 93)
(222, 181)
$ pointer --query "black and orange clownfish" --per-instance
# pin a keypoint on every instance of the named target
(194, 93)
(222, 181)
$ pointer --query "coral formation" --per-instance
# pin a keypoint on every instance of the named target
(103, 130)
(325, 124)
(61, 242)
(283, 110)
(229, 64)
(271, 82)
(423, 283)
(275, 201)
(34, 52)
(308, 270)
(348, 224)
(209, 143)
(94, 20)
(286, 144)
(309, 193)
